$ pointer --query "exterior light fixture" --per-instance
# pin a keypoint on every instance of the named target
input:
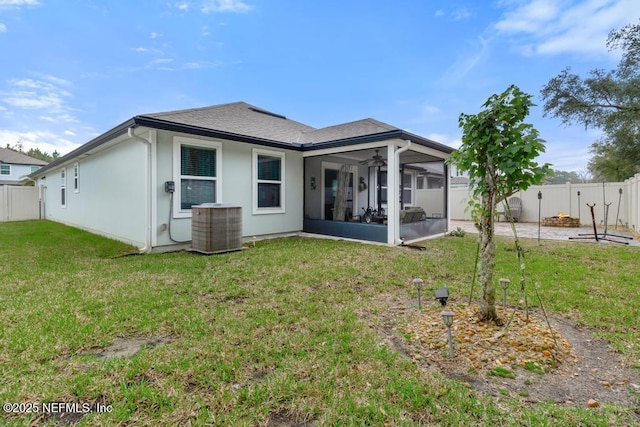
(447, 318)
(504, 283)
(442, 295)
(418, 282)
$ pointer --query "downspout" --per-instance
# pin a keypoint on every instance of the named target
(396, 225)
(147, 247)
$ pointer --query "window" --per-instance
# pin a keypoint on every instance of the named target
(5, 169)
(63, 188)
(407, 189)
(421, 181)
(268, 185)
(382, 176)
(34, 168)
(196, 174)
(76, 178)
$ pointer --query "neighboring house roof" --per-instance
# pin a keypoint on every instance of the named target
(459, 180)
(17, 158)
(243, 122)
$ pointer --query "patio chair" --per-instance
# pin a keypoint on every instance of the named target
(515, 205)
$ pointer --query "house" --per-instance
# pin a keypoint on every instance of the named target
(15, 166)
(458, 178)
(138, 181)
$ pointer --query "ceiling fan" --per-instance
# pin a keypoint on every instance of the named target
(376, 160)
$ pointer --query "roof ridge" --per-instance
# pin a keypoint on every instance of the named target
(187, 110)
(367, 119)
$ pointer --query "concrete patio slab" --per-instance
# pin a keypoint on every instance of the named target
(529, 230)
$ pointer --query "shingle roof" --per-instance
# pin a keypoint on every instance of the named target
(243, 122)
(347, 130)
(16, 158)
(239, 118)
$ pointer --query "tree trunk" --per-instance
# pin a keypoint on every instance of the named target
(487, 259)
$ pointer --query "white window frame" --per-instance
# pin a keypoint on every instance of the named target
(410, 189)
(76, 177)
(34, 168)
(179, 141)
(336, 166)
(4, 165)
(265, 211)
(63, 188)
(383, 202)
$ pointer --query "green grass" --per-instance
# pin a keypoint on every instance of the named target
(502, 372)
(534, 367)
(281, 333)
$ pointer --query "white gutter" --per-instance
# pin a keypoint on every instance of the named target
(148, 245)
(396, 222)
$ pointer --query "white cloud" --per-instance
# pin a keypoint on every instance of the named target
(3, 28)
(429, 109)
(551, 27)
(18, 3)
(37, 94)
(530, 17)
(60, 118)
(235, 6)
(449, 140)
(466, 62)
(193, 65)
(154, 35)
(183, 6)
(439, 12)
(56, 80)
(161, 61)
(460, 14)
(43, 139)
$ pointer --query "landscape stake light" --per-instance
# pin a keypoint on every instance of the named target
(447, 317)
(578, 206)
(505, 284)
(539, 206)
(442, 295)
(418, 282)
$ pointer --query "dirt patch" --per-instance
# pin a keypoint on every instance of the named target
(566, 365)
(126, 347)
(285, 419)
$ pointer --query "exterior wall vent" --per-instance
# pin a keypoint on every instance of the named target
(216, 228)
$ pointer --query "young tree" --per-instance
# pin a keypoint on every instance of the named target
(498, 150)
(607, 100)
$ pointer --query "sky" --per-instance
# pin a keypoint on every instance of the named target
(72, 70)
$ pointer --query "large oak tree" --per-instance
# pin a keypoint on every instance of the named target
(606, 100)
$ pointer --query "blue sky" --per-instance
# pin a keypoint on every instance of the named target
(74, 69)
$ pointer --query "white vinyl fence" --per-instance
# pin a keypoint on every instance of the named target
(623, 199)
(19, 203)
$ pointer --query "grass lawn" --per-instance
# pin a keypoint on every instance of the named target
(272, 334)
